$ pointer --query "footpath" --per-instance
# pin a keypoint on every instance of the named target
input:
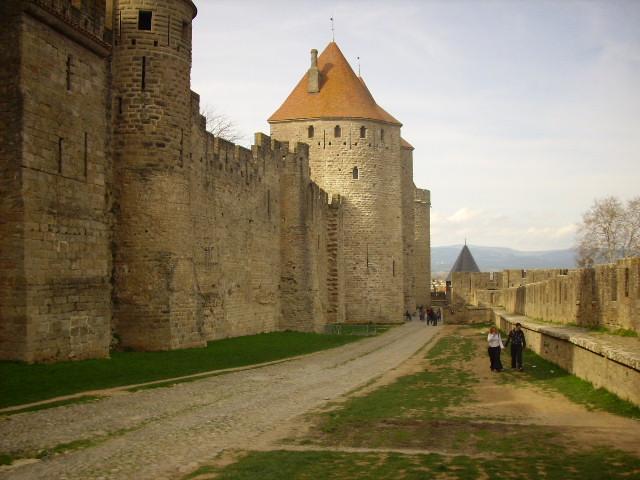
(164, 432)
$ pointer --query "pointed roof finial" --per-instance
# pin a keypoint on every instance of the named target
(359, 66)
(465, 240)
(333, 30)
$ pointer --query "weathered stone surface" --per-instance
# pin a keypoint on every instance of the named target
(122, 220)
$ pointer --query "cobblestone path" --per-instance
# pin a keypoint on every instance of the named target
(165, 432)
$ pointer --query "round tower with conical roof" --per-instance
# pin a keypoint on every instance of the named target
(355, 152)
(155, 303)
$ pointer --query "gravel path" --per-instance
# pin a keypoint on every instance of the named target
(166, 432)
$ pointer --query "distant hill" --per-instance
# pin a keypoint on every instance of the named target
(493, 259)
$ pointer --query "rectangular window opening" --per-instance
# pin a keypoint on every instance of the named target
(614, 285)
(144, 19)
(626, 282)
(86, 154)
(60, 146)
(144, 73)
(185, 32)
(69, 65)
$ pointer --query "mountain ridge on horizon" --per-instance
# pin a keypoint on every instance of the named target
(502, 258)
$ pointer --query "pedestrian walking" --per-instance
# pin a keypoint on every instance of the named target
(495, 346)
(518, 344)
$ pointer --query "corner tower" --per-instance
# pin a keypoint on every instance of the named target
(354, 152)
(155, 295)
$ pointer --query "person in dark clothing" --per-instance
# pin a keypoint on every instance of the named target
(518, 344)
(407, 316)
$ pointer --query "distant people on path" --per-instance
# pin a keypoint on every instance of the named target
(421, 310)
(407, 316)
(518, 344)
(438, 316)
(429, 316)
(495, 346)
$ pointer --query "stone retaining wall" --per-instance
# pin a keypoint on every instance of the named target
(600, 361)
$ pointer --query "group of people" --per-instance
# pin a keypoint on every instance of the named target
(429, 314)
(515, 339)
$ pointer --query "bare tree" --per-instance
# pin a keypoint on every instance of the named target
(609, 231)
(220, 125)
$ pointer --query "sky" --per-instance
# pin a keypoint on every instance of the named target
(522, 113)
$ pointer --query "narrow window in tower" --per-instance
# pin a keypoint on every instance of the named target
(169, 31)
(269, 204)
(69, 65)
(185, 32)
(381, 136)
(626, 282)
(86, 154)
(119, 105)
(310, 131)
(60, 145)
(181, 145)
(614, 285)
(393, 268)
(355, 173)
(337, 132)
(363, 132)
(144, 73)
(144, 19)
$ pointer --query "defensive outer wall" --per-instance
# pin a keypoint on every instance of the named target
(123, 222)
(552, 304)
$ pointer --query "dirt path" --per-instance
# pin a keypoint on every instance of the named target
(526, 404)
(166, 432)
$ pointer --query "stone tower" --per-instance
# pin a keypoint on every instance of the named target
(155, 301)
(355, 152)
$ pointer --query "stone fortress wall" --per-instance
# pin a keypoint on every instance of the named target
(605, 295)
(123, 220)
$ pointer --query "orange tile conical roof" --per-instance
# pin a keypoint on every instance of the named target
(342, 94)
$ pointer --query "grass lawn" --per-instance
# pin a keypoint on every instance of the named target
(313, 465)
(21, 383)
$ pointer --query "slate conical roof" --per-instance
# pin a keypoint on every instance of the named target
(342, 94)
(464, 263)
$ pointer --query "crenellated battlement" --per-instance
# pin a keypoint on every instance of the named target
(128, 224)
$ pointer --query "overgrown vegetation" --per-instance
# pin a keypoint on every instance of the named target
(21, 383)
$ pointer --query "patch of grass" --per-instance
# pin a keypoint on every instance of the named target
(6, 459)
(311, 465)
(21, 383)
(201, 471)
(60, 403)
(67, 447)
(399, 414)
(624, 332)
(552, 377)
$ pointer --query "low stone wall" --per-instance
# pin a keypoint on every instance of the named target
(467, 315)
(599, 361)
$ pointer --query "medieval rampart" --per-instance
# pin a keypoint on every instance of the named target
(607, 295)
(123, 222)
